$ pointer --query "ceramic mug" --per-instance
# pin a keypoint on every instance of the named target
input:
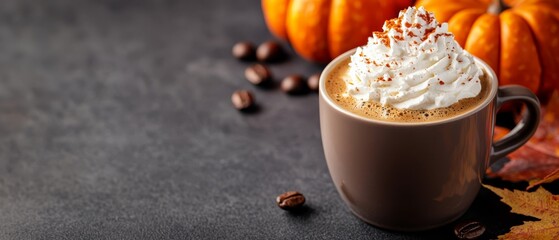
(417, 176)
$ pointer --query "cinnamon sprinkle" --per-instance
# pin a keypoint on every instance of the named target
(383, 38)
(396, 24)
(427, 33)
(442, 34)
(426, 17)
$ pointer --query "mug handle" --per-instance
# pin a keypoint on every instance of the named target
(524, 130)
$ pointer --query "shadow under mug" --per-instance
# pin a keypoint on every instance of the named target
(417, 176)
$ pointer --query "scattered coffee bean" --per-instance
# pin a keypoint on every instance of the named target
(270, 51)
(242, 100)
(258, 74)
(469, 230)
(244, 51)
(293, 84)
(290, 200)
(312, 82)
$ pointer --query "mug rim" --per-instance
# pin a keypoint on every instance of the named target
(324, 95)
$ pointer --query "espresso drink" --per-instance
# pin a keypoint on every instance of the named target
(336, 88)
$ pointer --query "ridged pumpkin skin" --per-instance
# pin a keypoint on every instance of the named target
(320, 30)
(520, 43)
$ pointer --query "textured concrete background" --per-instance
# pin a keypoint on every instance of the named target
(116, 123)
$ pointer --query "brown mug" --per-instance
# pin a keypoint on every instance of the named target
(417, 176)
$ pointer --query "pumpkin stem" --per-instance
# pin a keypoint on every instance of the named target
(497, 7)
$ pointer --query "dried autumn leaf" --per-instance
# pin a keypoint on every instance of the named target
(528, 164)
(540, 204)
(547, 179)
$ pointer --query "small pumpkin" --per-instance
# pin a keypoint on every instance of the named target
(519, 39)
(320, 30)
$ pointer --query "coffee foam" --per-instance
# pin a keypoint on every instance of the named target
(336, 89)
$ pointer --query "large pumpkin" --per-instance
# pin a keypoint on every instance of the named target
(320, 30)
(519, 39)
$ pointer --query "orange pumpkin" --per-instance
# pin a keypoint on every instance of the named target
(519, 39)
(320, 30)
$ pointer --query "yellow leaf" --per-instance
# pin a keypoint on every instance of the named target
(539, 204)
(534, 230)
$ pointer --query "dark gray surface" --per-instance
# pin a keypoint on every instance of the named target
(116, 123)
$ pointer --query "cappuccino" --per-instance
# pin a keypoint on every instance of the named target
(336, 89)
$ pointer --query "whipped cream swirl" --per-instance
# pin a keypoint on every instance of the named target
(415, 63)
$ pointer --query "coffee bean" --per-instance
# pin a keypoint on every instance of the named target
(469, 230)
(290, 200)
(242, 100)
(258, 74)
(312, 82)
(270, 51)
(294, 84)
(244, 51)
